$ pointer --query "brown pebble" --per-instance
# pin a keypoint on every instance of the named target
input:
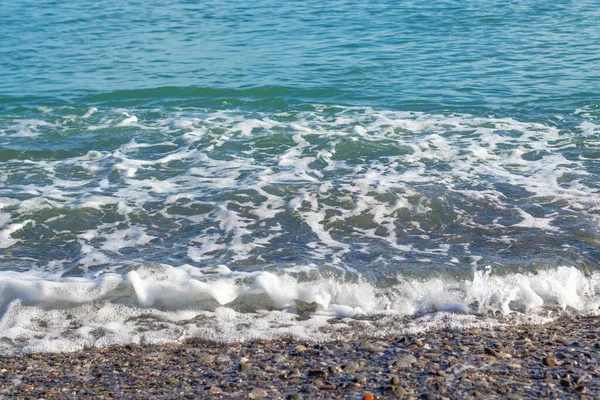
(490, 352)
(244, 367)
(549, 361)
(328, 387)
(214, 390)
(317, 373)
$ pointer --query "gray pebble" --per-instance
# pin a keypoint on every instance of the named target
(406, 361)
(279, 358)
(309, 388)
(259, 393)
(352, 367)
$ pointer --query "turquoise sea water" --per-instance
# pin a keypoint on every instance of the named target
(221, 169)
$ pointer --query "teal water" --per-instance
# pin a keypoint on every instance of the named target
(482, 54)
(214, 162)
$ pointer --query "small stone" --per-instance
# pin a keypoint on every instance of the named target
(300, 348)
(317, 373)
(418, 342)
(206, 358)
(278, 358)
(368, 396)
(406, 361)
(244, 367)
(352, 367)
(333, 369)
(440, 373)
(490, 352)
(295, 373)
(214, 390)
(395, 380)
(259, 393)
(549, 361)
(367, 346)
(328, 386)
(293, 396)
(309, 388)
(223, 359)
(213, 375)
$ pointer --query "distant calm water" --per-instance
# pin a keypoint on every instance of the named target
(234, 170)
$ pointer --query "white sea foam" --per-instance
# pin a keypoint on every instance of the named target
(482, 155)
(61, 314)
(90, 112)
(28, 128)
(6, 234)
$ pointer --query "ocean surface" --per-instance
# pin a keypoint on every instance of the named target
(320, 169)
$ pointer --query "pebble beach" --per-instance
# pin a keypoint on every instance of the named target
(556, 360)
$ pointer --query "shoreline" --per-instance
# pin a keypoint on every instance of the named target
(560, 359)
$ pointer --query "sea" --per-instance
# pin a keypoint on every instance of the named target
(239, 170)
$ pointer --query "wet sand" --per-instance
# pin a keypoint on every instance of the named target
(557, 360)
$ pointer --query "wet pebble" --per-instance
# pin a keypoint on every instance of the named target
(351, 367)
(406, 361)
(259, 393)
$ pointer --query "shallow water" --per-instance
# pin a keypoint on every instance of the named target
(229, 171)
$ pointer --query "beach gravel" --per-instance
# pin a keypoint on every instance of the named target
(556, 360)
